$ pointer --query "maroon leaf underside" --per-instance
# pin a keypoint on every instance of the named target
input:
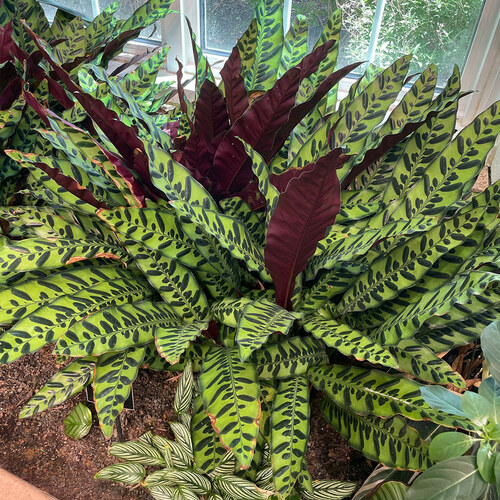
(127, 176)
(11, 92)
(71, 185)
(7, 74)
(210, 118)
(259, 123)
(116, 45)
(234, 86)
(6, 42)
(182, 95)
(301, 110)
(122, 136)
(251, 194)
(37, 107)
(195, 153)
(303, 213)
(280, 182)
(57, 90)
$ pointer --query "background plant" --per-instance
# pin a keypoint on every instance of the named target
(269, 235)
(184, 462)
(25, 76)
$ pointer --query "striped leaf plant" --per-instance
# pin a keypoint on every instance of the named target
(277, 237)
(196, 466)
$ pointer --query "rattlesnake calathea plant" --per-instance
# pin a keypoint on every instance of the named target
(183, 469)
(24, 76)
(271, 236)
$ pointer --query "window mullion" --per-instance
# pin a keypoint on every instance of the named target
(96, 10)
(377, 24)
(287, 14)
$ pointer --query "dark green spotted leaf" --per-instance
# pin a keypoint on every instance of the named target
(74, 44)
(35, 253)
(419, 361)
(268, 45)
(347, 340)
(230, 232)
(208, 449)
(155, 229)
(365, 392)
(289, 432)
(114, 375)
(49, 322)
(67, 382)
(240, 209)
(290, 357)
(19, 300)
(390, 441)
(454, 170)
(175, 283)
(405, 265)
(172, 341)
(230, 393)
(79, 422)
(116, 328)
(421, 149)
(434, 302)
(294, 46)
(175, 180)
(229, 311)
(258, 320)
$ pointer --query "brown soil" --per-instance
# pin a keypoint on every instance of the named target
(37, 450)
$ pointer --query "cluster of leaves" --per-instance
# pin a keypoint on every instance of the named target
(476, 475)
(190, 469)
(25, 78)
(272, 236)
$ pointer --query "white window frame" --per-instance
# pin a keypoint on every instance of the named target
(481, 72)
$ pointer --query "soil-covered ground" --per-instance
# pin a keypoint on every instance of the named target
(37, 450)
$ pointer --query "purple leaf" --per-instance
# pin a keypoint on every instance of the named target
(234, 86)
(258, 124)
(210, 118)
(298, 112)
(37, 107)
(182, 95)
(303, 213)
(195, 153)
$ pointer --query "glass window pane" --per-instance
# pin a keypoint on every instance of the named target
(357, 17)
(81, 6)
(434, 31)
(224, 22)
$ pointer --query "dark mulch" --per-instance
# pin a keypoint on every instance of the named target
(37, 450)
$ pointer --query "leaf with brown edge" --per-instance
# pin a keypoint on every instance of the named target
(234, 86)
(258, 124)
(303, 213)
(231, 396)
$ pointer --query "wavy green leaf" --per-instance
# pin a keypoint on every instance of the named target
(230, 393)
